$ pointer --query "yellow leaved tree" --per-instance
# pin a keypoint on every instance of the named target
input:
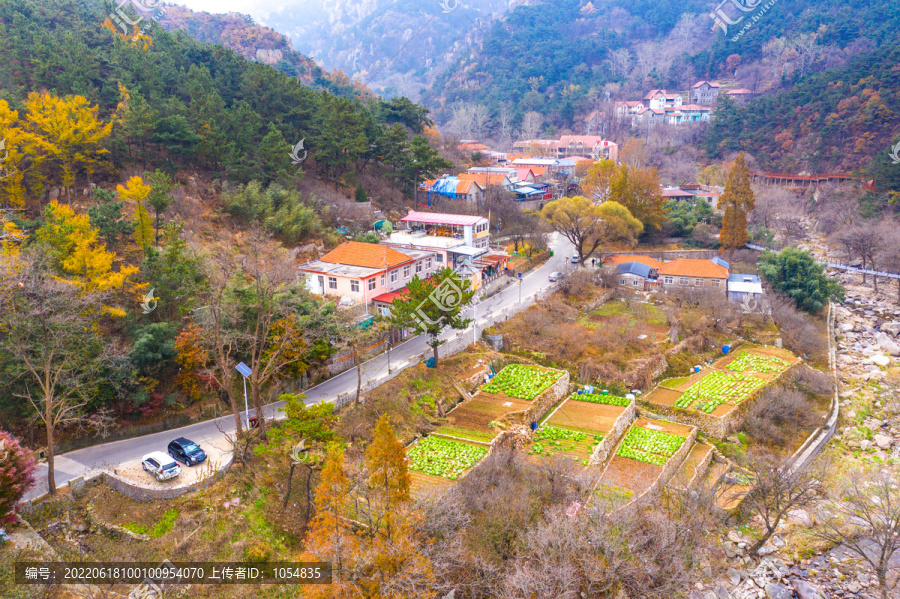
(19, 158)
(137, 191)
(71, 136)
(81, 259)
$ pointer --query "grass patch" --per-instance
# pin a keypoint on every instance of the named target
(464, 433)
(165, 524)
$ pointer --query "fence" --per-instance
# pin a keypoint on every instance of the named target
(669, 254)
(821, 436)
(838, 266)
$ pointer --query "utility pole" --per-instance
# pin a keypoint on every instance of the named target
(245, 372)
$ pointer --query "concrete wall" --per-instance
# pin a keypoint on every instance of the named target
(141, 492)
(671, 255)
(611, 439)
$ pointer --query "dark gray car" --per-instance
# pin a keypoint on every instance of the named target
(186, 451)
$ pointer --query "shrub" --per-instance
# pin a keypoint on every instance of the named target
(800, 332)
(777, 414)
(16, 476)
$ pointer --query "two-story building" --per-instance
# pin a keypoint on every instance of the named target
(659, 98)
(452, 237)
(357, 272)
(704, 93)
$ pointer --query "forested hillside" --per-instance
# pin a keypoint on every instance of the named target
(153, 168)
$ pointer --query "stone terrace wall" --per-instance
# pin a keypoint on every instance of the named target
(671, 467)
(545, 400)
(601, 452)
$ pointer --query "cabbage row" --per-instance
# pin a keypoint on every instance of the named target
(443, 457)
(524, 382)
(649, 446)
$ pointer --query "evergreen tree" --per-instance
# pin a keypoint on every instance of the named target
(160, 196)
(422, 162)
(796, 274)
(737, 201)
(433, 305)
(361, 194)
(274, 155)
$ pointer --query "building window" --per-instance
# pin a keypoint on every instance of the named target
(684, 281)
(668, 280)
(621, 281)
(716, 282)
(439, 258)
(698, 282)
(372, 284)
(418, 267)
(332, 282)
(382, 279)
(406, 271)
(635, 282)
(354, 286)
(428, 263)
(395, 274)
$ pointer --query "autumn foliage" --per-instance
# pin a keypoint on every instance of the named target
(191, 357)
(16, 476)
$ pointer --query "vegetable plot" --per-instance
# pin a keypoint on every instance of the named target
(550, 439)
(717, 388)
(765, 364)
(524, 382)
(649, 446)
(610, 400)
(443, 457)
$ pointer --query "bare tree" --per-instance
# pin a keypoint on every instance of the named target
(532, 123)
(266, 295)
(778, 491)
(889, 258)
(217, 320)
(865, 517)
(57, 350)
(504, 125)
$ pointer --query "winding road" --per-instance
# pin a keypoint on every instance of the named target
(80, 462)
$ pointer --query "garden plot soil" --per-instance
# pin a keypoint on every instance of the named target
(673, 428)
(422, 483)
(585, 416)
(473, 416)
(625, 473)
(692, 462)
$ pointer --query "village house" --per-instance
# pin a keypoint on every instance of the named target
(743, 288)
(659, 98)
(704, 93)
(454, 188)
(453, 237)
(741, 96)
(569, 146)
(637, 276)
(692, 273)
(356, 272)
(488, 179)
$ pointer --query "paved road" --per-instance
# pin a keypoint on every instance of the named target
(109, 455)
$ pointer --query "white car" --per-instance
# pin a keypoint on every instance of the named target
(160, 465)
(555, 276)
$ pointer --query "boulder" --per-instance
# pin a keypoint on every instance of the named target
(881, 360)
(887, 344)
(734, 577)
(805, 590)
(800, 517)
(778, 591)
(883, 441)
(891, 327)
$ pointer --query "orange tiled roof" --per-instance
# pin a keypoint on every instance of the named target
(617, 259)
(369, 255)
(538, 171)
(693, 267)
(512, 157)
(484, 179)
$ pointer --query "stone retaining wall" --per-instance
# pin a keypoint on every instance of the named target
(141, 492)
(670, 468)
(611, 439)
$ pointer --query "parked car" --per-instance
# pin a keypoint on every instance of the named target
(574, 259)
(160, 465)
(186, 451)
(555, 276)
